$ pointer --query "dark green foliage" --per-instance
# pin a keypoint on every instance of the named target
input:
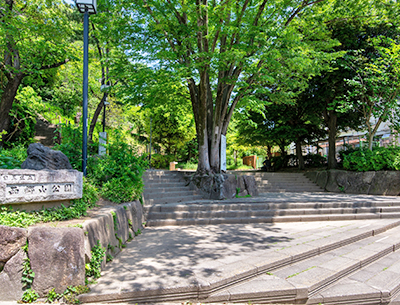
(380, 158)
(53, 296)
(29, 296)
(278, 162)
(314, 160)
(22, 125)
(71, 292)
(93, 269)
(119, 174)
(71, 144)
(161, 161)
(348, 149)
(12, 158)
(27, 274)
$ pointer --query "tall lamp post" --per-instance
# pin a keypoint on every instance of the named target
(86, 7)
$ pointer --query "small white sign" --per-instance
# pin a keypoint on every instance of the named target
(223, 153)
(102, 143)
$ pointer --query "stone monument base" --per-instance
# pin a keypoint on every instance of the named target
(31, 189)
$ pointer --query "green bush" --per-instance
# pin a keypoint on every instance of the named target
(314, 160)
(161, 161)
(71, 144)
(12, 158)
(118, 174)
(93, 269)
(278, 162)
(22, 118)
(380, 158)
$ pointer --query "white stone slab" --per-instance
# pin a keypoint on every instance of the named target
(223, 153)
(18, 186)
(102, 143)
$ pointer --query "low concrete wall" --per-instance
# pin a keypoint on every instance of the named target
(58, 254)
(370, 183)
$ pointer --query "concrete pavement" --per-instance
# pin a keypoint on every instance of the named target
(281, 262)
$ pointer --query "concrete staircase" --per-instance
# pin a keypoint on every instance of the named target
(360, 269)
(45, 132)
(281, 182)
(349, 263)
(162, 187)
(275, 248)
(169, 202)
(270, 210)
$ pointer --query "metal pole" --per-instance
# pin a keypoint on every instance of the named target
(104, 115)
(151, 120)
(85, 87)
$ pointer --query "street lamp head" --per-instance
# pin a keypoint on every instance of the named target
(87, 5)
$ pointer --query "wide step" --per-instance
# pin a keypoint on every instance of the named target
(255, 210)
(255, 264)
(304, 280)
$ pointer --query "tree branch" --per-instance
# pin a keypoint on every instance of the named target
(54, 65)
(298, 10)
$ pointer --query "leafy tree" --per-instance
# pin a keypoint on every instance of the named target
(329, 88)
(224, 50)
(375, 86)
(34, 37)
(281, 124)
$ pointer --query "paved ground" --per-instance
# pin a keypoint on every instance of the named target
(175, 258)
(172, 258)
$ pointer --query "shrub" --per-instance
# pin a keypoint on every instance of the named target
(161, 161)
(71, 144)
(93, 269)
(9, 159)
(314, 160)
(22, 118)
(119, 174)
(380, 158)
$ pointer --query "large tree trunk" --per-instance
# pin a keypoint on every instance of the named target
(7, 99)
(299, 154)
(198, 96)
(269, 151)
(96, 114)
(332, 123)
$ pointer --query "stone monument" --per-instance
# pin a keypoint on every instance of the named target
(46, 179)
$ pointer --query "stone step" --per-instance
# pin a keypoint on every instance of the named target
(377, 283)
(173, 199)
(162, 180)
(266, 219)
(203, 279)
(207, 205)
(242, 214)
(162, 173)
(274, 179)
(151, 185)
(167, 194)
(309, 188)
(305, 279)
(164, 189)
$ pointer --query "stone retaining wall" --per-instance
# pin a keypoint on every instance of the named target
(58, 254)
(371, 183)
